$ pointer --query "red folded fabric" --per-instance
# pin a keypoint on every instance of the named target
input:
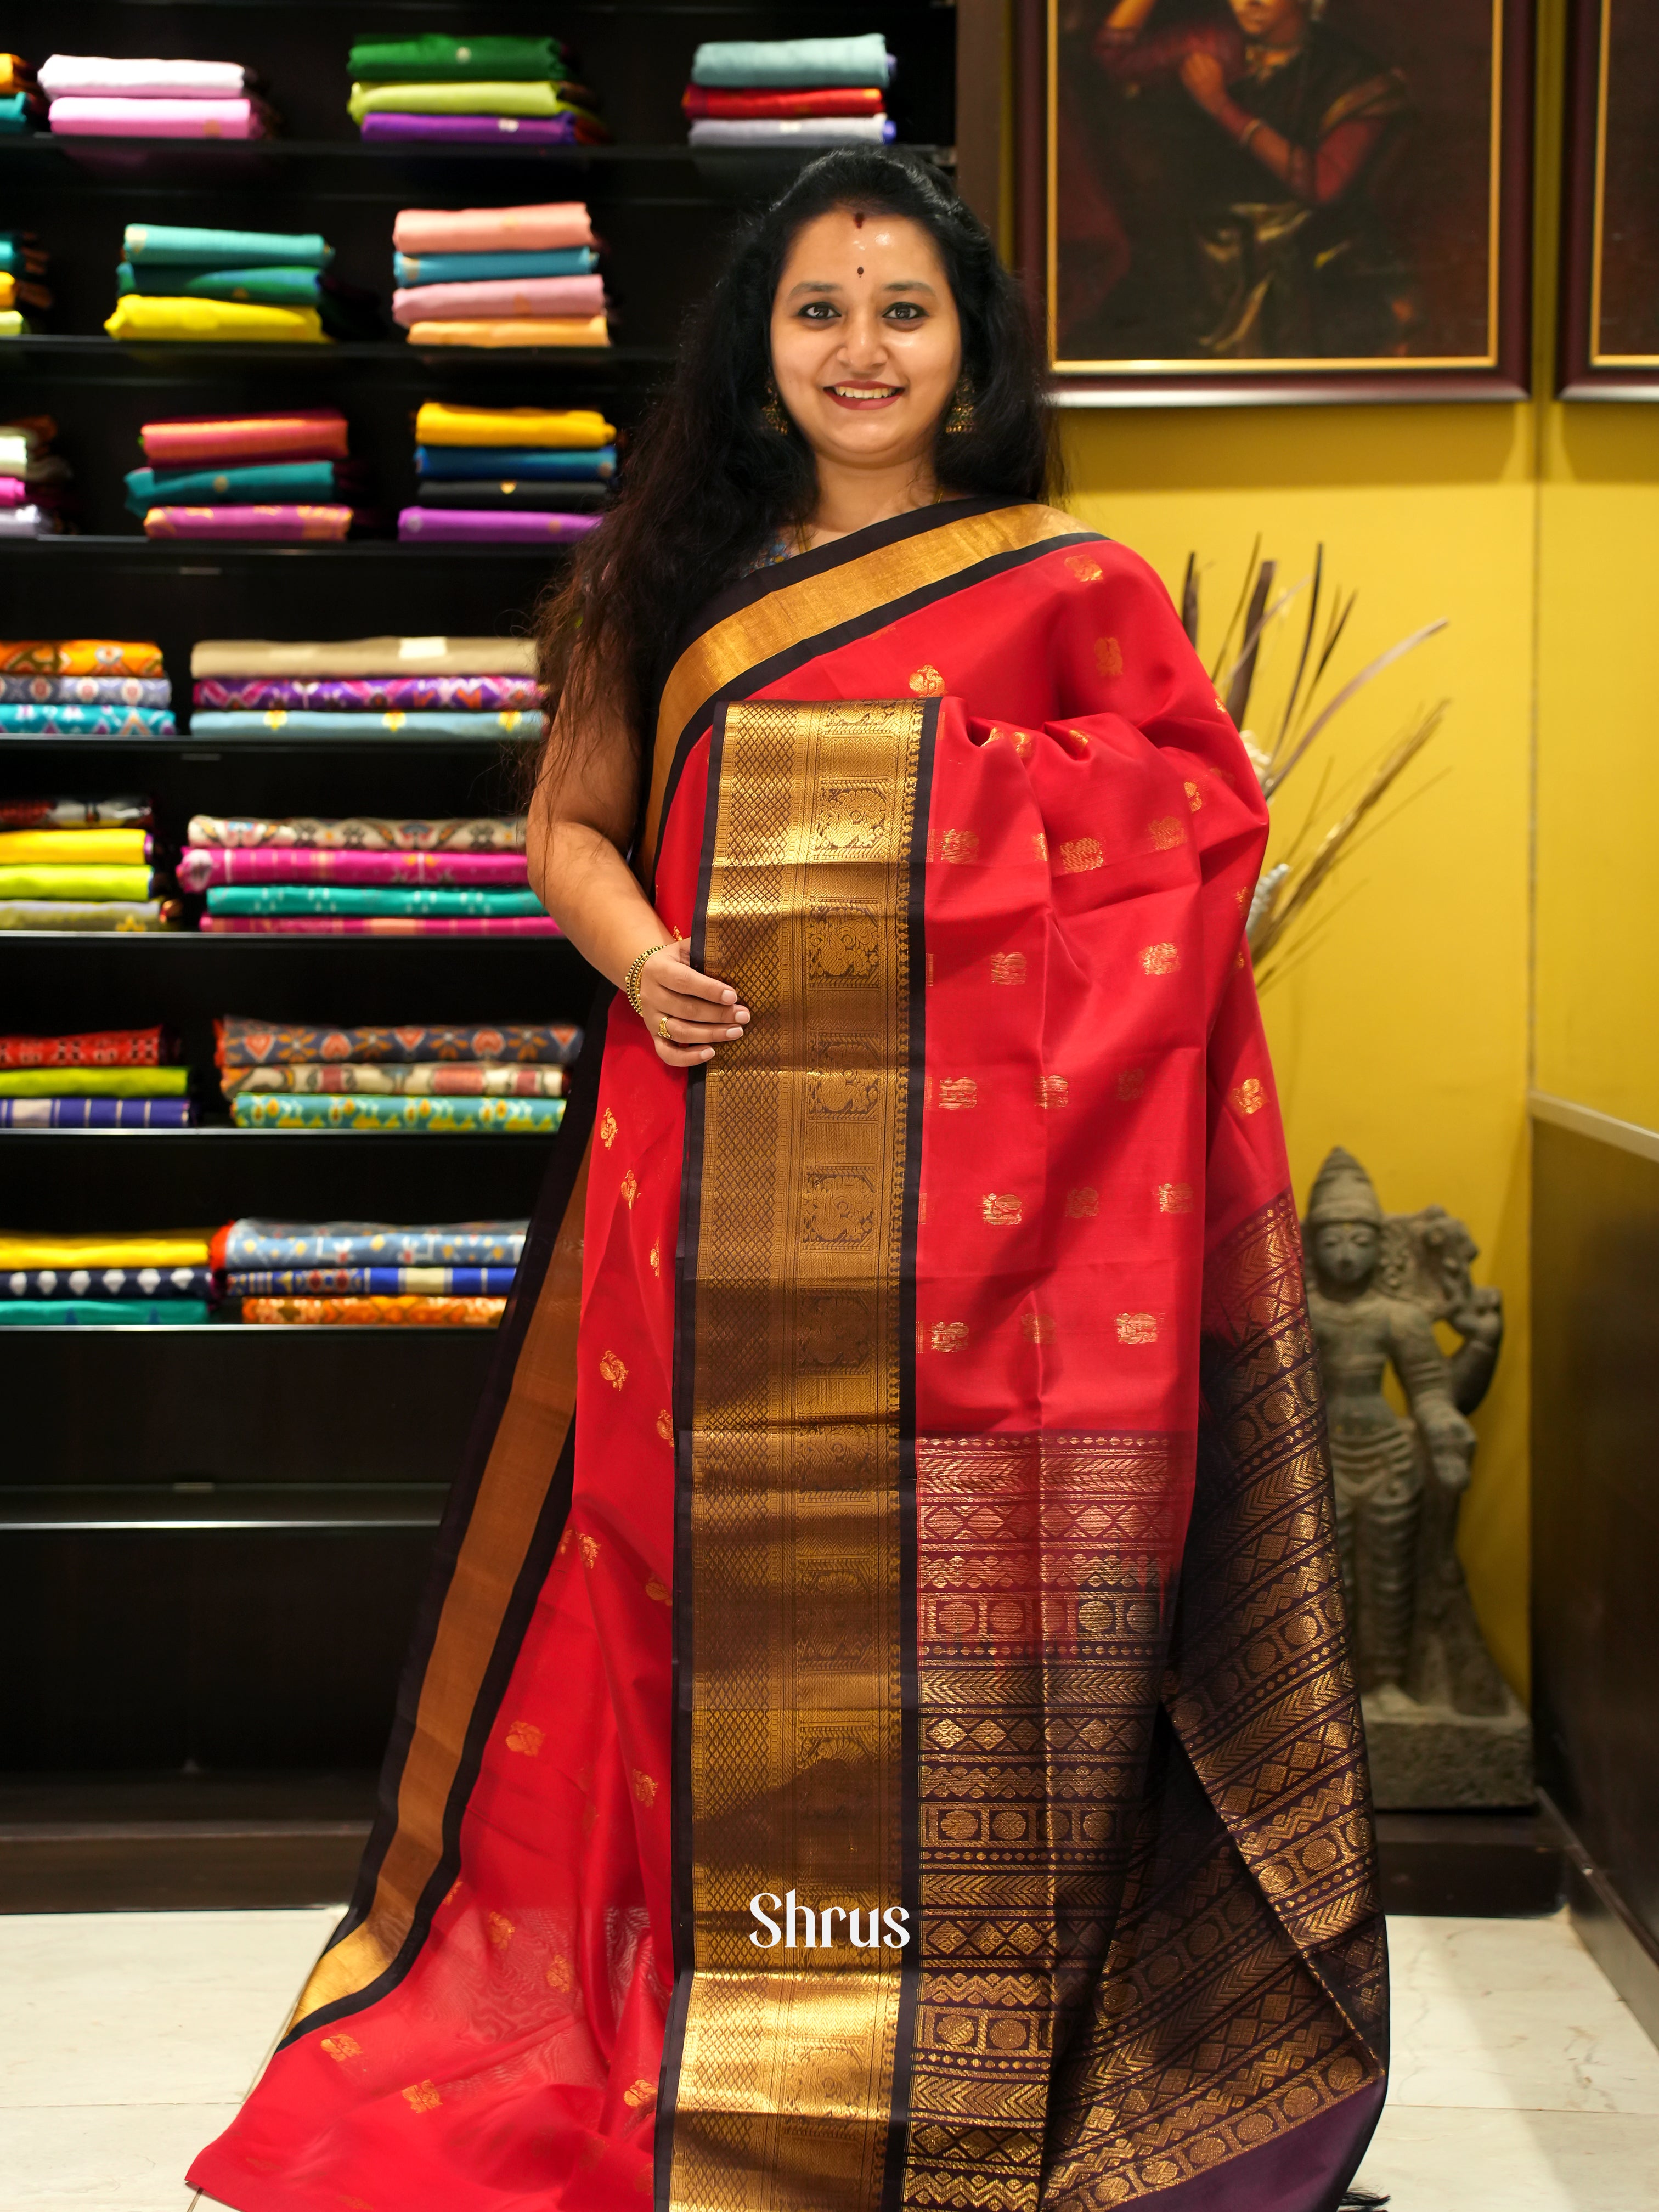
(306, 434)
(700, 102)
(90, 1048)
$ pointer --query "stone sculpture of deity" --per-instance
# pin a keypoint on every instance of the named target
(1378, 1284)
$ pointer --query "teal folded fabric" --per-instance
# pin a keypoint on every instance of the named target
(534, 464)
(487, 267)
(283, 1109)
(274, 481)
(15, 255)
(101, 1313)
(331, 899)
(226, 249)
(59, 721)
(266, 288)
(16, 113)
(792, 64)
(300, 722)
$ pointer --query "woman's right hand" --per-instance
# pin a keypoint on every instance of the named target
(700, 1012)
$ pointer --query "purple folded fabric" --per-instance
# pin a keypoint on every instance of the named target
(499, 296)
(501, 526)
(380, 695)
(203, 866)
(252, 524)
(532, 130)
(332, 925)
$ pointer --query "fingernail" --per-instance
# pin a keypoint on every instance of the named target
(741, 1015)
(728, 998)
(708, 1052)
(734, 1033)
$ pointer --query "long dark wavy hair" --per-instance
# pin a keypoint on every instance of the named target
(708, 482)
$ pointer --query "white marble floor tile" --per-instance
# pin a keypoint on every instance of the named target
(1438, 2159)
(146, 2007)
(1512, 2013)
(103, 2158)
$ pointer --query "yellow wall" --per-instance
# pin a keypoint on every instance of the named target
(1403, 1033)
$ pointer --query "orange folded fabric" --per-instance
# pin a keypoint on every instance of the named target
(78, 656)
(516, 331)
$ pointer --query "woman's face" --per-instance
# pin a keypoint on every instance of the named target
(867, 347)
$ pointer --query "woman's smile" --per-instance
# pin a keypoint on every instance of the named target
(864, 397)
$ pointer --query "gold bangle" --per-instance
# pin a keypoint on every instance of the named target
(631, 986)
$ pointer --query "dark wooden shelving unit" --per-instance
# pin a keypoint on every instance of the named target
(212, 1538)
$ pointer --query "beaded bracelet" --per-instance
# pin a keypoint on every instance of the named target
(632, 984)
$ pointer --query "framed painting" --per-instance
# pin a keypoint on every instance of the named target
(1227, 201)
(1610, 227)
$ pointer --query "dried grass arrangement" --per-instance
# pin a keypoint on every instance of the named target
(1288, 889)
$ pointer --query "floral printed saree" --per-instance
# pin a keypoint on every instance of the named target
(899, 1521)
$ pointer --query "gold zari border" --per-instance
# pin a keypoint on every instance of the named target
(796, 1775)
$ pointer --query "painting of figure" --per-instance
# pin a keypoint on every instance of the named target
(1238, 183)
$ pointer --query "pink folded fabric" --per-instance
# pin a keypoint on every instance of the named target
(78, 118)
(515, 330)
(493, 230)
(491, 526)
(13, 492)
(261, 524)
(483, 303)
(385, 925)
(203, 866)
(304, 434)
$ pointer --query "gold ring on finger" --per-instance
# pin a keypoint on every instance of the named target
(662, 1029)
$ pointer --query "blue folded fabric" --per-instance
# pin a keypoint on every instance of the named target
(190, 247)
(304, 722)
(102, 1313)
(373, 1283)
(256, 1243)
(74, 721)
(97, 1113)
(279, 481)
(535, 464)
(792, 64)
(110, 1282)
(485, 268)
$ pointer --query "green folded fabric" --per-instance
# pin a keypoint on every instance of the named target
(101, 1313)
(285, 1110)
(266, 287)
(50, 879)
(226, 249)
(436, 54)
(484, 97)
(94, 1082)
(330, 898)
(280, 481)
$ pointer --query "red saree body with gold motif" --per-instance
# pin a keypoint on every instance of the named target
(901, 1519)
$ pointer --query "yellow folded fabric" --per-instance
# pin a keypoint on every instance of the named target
(94, 1082)
(515, 330)
(514, 96)
(8, 291)
(147, 315)
(12, 324)
(72, 846)
(45, 879)
(567, 428)
(158, 1248)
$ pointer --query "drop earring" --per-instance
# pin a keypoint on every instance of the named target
(772, 411)
(959, 416)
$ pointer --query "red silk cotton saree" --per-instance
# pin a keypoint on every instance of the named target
(881, 1732)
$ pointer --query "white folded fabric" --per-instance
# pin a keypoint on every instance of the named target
(793, 130)
(24, 522)
(96, 73)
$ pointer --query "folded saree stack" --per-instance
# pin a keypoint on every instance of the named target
(124, 1279)
(178, 283)
(448, 1275)
(502, 1076)
(101, 1079)
(470, 91)
(23, 107)
(253, 478)
(499, 276)
(508, 475)
(33, 479)
(790, 92)
(97, 872)
(95, 96)
(84, 687)
(353, 689)
(22, 277)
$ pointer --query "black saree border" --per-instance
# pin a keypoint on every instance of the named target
(672, 748)
(548, 1218)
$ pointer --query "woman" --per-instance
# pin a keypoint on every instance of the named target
(879, 1735)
